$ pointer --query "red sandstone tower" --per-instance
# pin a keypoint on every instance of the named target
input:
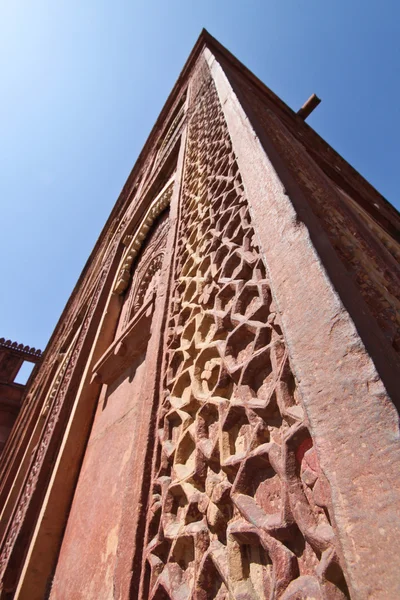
(215, 416)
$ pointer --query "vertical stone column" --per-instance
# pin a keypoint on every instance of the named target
(344, 369)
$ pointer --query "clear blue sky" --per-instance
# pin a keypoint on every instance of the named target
(84, 80)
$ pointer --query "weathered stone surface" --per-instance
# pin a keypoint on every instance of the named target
(215, 413)
(91, 538)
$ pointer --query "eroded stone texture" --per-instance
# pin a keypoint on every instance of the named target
(239, 506)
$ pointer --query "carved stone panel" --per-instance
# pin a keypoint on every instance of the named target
(239, 507)
(143, 281)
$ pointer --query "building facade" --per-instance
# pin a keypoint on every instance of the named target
(12, 357)
(216, 412)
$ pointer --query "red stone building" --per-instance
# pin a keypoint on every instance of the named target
(215, 415)
(12, 357)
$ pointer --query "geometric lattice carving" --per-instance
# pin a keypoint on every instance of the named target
(239, 507)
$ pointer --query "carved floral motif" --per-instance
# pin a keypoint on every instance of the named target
(59, 377)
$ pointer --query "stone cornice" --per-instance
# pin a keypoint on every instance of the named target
(19, 348)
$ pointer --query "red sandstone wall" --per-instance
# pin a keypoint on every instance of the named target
(255, 476)
(88, 556)
(352, 214)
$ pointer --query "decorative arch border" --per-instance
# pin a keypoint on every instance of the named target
(136, 240)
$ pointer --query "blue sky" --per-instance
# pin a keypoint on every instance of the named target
(83, 82)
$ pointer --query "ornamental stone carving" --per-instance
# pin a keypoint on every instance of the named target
(239, 506)
(135, 242)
